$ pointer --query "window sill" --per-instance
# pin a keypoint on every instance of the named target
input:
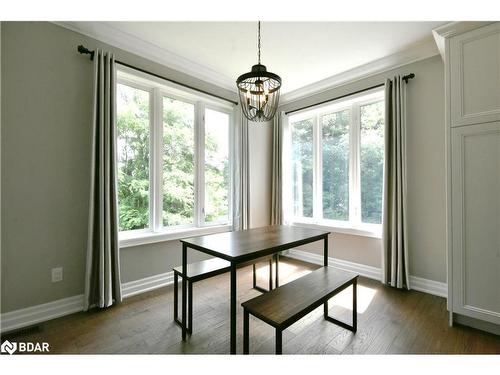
(374, 231)
(144, 238)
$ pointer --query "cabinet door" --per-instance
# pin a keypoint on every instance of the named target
(476, 221)
(475, 76)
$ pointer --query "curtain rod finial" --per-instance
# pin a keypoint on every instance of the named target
(84, 50)
(408, 76)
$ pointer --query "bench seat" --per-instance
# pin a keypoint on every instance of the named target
(208, 268)
(287, 304)
(205, 269)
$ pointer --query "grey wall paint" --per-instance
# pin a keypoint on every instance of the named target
(45, 143)
(260, 149)
(426, 173)
(45, 156)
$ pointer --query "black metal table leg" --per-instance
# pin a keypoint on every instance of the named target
(184, 290)
(254, 276)
(270, 274)
(354, 306)
(279, 345)
(190, 307)
(277, 281)
(176, 296)
(246, 332)
(233, 310)
(325, 251)
(325, 309)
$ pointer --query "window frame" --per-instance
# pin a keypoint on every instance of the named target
(354, 225)
(158, 89)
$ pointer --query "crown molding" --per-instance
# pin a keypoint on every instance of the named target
(419, 51)
(108, 34)
(448, 30)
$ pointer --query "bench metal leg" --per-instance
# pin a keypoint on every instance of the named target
(189, 327)
(246, 332)
(354, 326)
(279, 342)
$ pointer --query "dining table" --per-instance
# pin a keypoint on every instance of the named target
(243, 246)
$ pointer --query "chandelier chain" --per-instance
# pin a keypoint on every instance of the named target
(259, 42)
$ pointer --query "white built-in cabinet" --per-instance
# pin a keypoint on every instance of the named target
(471, 53)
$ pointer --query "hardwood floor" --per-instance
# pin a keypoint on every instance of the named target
(389, 321)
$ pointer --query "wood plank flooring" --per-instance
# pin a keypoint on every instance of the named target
(389, 322)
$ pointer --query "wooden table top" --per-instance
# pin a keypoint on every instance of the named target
(251, 243)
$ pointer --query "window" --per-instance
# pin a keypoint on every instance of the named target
(337, 157)
(173, 160)
(216, 166)
(302, 151)
(133, 118)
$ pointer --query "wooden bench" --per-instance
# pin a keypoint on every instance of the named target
(208, 268)
(287, 304)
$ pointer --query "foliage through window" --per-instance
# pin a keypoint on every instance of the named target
(337, 157)
(178, 162)
(172, 157)
(132, 107)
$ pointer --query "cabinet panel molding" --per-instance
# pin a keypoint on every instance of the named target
(476, 221)
(475, 76)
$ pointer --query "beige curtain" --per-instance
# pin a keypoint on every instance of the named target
(241, 183)
(102, 279)
(395, 271)
(277, 170)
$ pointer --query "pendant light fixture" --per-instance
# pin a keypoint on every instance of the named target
(259, 91)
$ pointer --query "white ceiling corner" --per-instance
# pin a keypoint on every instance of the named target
(106, 33)
(422, 50)
(309, 56)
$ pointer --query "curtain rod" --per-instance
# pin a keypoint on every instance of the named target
(84, 50)
(405, 78)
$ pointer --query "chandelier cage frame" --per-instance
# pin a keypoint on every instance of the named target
(259, 91)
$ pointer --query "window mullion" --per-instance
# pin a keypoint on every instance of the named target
(157, 157)
(152, 161)
(317, 171)
(355, 192)
(199, 206)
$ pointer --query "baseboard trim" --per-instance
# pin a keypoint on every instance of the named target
(147, 284)
(417, 283)
(476, 323)
(429, 286)
(40, 313)
(363, 270)
(29, 316)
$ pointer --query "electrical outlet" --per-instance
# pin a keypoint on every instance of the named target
(57, 274)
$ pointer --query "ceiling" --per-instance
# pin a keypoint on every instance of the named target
(302, 53)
